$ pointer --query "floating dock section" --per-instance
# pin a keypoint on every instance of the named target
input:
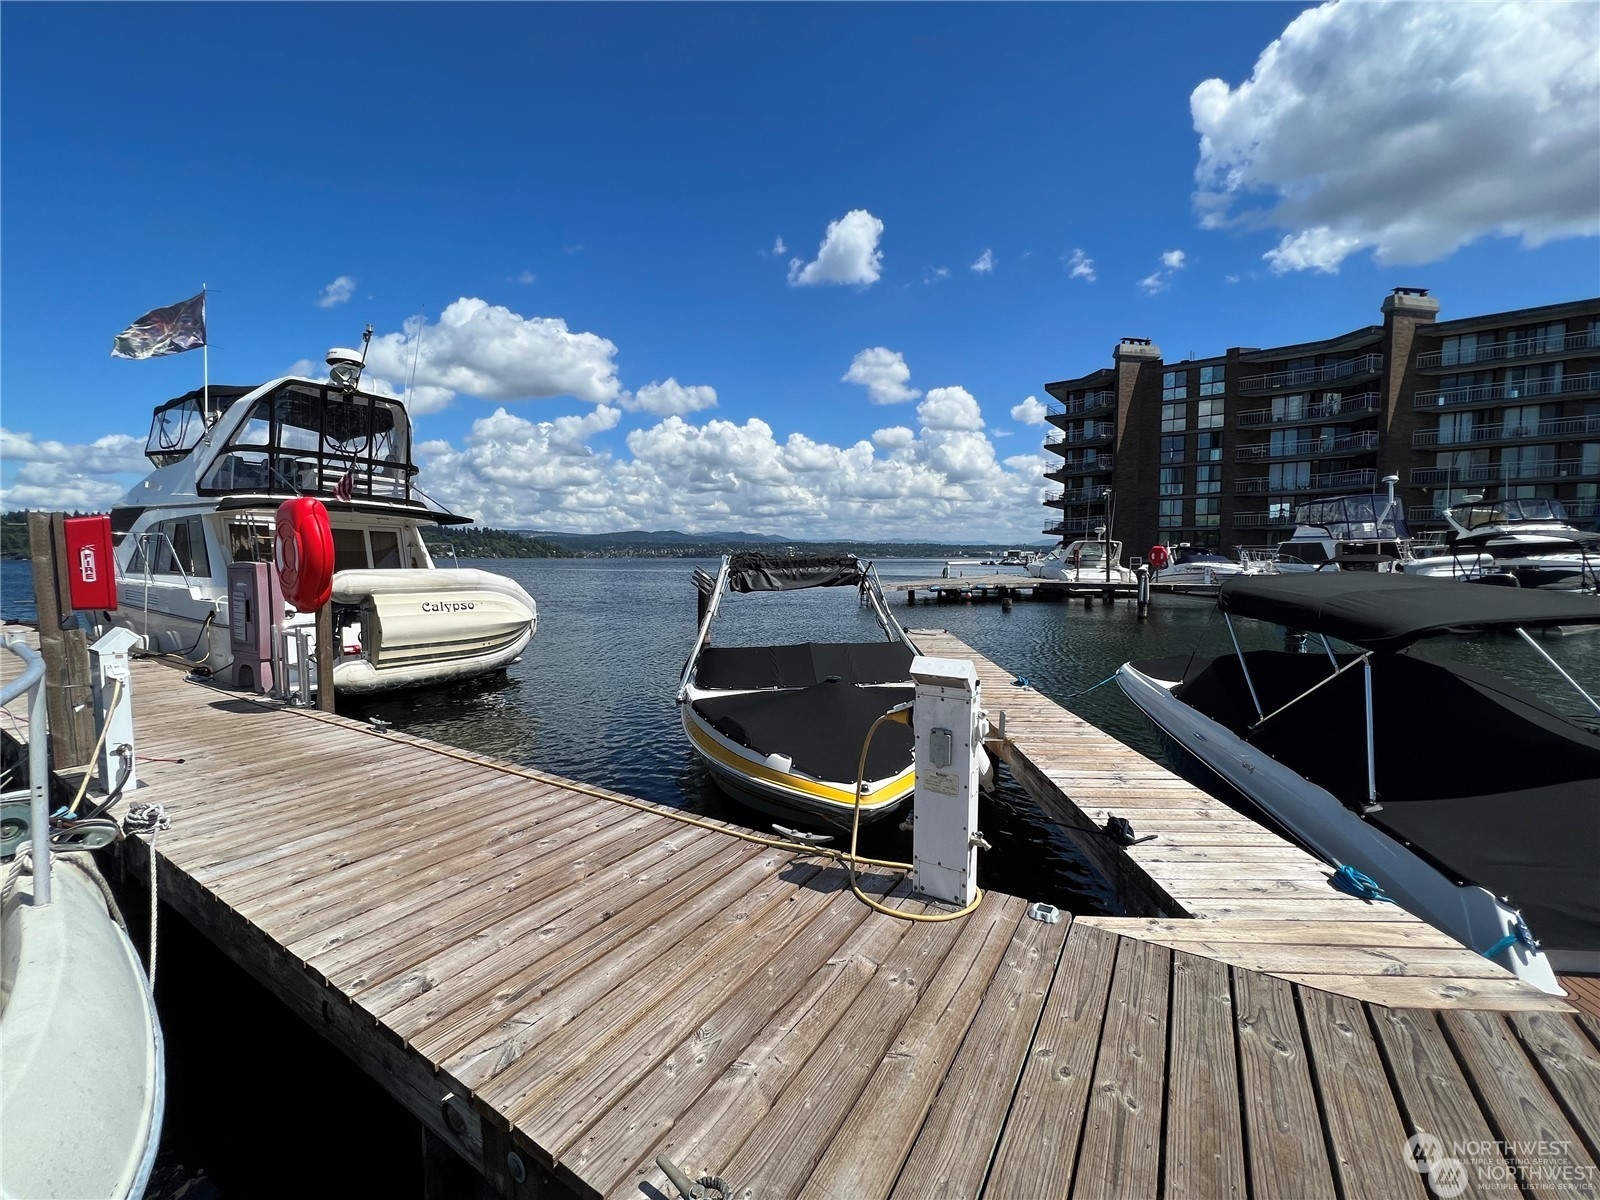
(563, 983)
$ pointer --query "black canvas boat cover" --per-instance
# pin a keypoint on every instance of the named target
(750, 667)
(752, 571)
(821, 728)
(1389, 610)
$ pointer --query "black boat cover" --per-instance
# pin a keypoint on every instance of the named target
(742, 668)
(1388, 610)
(820, 728)
(752, 571)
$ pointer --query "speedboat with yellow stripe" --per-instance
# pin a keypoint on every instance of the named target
(781, 727)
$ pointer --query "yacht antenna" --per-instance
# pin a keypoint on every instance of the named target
(416, 353)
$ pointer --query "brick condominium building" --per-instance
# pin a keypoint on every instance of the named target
(1219, 451)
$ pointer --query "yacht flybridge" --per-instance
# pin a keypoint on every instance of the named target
(225, 458)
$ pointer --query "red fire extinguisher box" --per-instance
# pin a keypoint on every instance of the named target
(91, 571)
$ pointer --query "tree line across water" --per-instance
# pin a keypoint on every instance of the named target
(474, 542)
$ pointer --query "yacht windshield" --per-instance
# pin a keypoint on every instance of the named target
(1352, 517)
(174, 431)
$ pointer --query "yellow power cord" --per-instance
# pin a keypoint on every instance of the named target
(94, 756)
(902, 715)
(851, 861)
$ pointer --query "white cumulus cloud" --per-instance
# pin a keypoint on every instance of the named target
(778, 247)
(664, 399)
(848, 254)
(1474, 120)
(883, 372)
(1172, 260)
(985, 263)
(489, 351)
(1029, 412)
(950, 408)
(67, 477)
(1079, 265)
(337, 292)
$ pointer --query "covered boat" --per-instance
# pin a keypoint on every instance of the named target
(1085, 561)
(781, 727)
(225, 459)
(1495, 841)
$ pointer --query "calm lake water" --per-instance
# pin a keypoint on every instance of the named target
(592, 701)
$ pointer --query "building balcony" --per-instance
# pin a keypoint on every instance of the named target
(1086, 464)
(1499, 393)
(1505, 472)
(1322, 410)
(1310, 377)
(1090, 433)
(1556, 427)
(1326, 447)
(1087, 495)
(1261, 520)
(1089, 402)
(1075, 528)
(1423, 514)
(1510, 351)
(1328, 481)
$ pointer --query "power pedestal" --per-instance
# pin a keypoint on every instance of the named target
(113, 709)
(946, 721)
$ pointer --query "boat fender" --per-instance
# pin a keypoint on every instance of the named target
(1158, 556)
(304, 553)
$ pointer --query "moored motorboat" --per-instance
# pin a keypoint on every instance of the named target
(1487, 843)
(1189, 567)
(1529, 541)
(1085, 561)
(225, 459)
(1355, 532)
(781, 727)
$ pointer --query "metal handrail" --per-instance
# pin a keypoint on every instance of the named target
(1497, 432)
(32, 681)
(1366, 364)
(1520, 348)
(1321, 410)
(1524, 390)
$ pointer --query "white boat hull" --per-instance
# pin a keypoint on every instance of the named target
(84, 1085)
(1316, 819)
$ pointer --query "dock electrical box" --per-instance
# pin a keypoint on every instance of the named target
(91, 571)
(255, 613)
(948, 722)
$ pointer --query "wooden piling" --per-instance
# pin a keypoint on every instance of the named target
(68, 690)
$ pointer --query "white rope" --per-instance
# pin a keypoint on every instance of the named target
(151, 819)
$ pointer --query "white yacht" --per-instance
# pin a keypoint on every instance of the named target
(1527, 541)
(1086, 561)
(1196, 567)
(225, 459)
(1356, 532)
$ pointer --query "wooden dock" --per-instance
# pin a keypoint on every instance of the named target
(977, 587)
(561, 983)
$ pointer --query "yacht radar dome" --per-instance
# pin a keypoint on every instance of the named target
(345, 366)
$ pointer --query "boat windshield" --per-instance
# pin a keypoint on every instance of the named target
(175, 430)
(1355, 517)
(304, 438)
(1506, 512)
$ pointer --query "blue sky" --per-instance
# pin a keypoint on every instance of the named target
(592, 199)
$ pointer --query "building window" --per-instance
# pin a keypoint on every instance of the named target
(1208, 447)
(1457, 427)
(1455, 350)
(1212, 381)
(1301, 370)
(1289, 476)
(1173, 418)
(1175, 385)
(1171, 481)
(1289, 408)
(1207, 513)
(1208, 414)
(1172, 448)
(1169, 514)
(1207, 480)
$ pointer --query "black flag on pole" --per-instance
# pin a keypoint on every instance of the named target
(170, 330)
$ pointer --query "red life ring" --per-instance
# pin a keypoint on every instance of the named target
(1158, 557)
(305, 553)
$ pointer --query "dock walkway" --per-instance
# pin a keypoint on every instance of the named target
(562, 982)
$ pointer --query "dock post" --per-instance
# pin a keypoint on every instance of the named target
(911, 596)
(327, 648)
(67, 686)
(1088, 601)
(1144, 591)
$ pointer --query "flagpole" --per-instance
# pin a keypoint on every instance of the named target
(205, 357)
